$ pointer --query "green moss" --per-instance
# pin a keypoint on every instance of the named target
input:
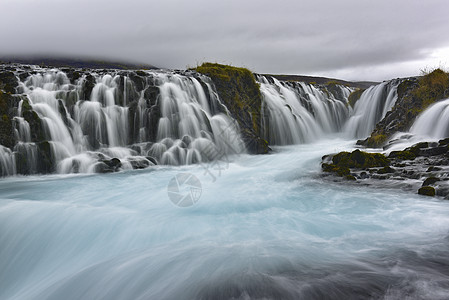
(431, 88)
(359, 159)
(343, 161)
(355, 96)
(338, 170)
(350, 177)
(223, 72)
(427, 191)
(376, 140)
(403, 155)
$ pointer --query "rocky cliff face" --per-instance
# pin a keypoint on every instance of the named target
(238, 89)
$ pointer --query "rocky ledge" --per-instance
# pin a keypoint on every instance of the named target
(422, 168)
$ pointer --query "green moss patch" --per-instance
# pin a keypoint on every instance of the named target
(343, 161)
(355, 96)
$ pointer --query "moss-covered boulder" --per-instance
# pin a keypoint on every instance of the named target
(427, 191)
(386, 170)
(402, 155)
(344, 161)
(239, 91)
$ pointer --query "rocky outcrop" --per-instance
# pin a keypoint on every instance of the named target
(355, 96)
(414, 96)
(8, 105)
(239, 91)
(423, 168)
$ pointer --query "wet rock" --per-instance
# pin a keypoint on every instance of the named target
(8, 82)
(101, 167)
(433, 168)
(45, 158)
(386, 170)
(427, 191)
(139, 163)
(430, 181)
(151, 159)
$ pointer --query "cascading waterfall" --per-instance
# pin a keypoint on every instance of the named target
(159, 116)
(372, 107)
(297, 112)
(80, 121)
(433, 122)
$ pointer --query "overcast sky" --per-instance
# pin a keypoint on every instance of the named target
(349, 39)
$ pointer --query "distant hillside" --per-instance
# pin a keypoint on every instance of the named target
(323, 80)
(76, 63)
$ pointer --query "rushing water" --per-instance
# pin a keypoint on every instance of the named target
(267, 227)
(296, 112)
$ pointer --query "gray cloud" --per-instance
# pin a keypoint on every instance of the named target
(357, 39)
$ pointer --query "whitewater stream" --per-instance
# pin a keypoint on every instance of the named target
(263, 227)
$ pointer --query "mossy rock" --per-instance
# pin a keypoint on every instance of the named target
(414, 96)
(386, 170)
(427, 191)
(239, 91)
(405, 86)
(36, 125)
(355, 96)
(338, 170)
(432, 87)
(350, 177)
(402, 155)
(8, 82)
(374, 141)
(343, 161)
(7, 138)
(361, 160)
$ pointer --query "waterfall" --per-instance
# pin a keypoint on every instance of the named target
(74, 120)
(296, 112)
(371, 108)
(433, 122)
(80, 121)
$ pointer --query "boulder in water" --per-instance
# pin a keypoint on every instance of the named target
(427, 191)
